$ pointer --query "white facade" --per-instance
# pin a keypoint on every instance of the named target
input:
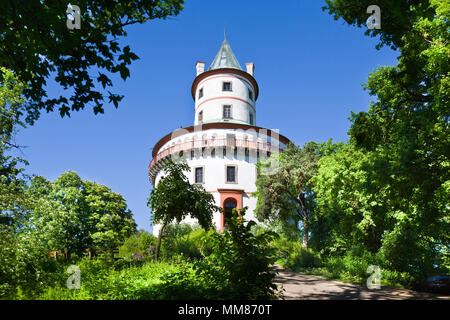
(224, 145)
(213, 98)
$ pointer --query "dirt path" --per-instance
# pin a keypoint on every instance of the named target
(309, 287)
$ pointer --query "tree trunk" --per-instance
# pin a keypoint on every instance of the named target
(301, 196)
(158, 247)
(305, 234)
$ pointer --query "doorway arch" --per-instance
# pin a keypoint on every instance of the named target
(229, 199)
(228, 205)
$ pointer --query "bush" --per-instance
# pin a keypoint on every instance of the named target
(302, 258)
(240, 264)
(195, 245)
(138, 243)
(106, 280)
(291, 254)
(26, 268)
(408, 253)
(352, 266)
(186, 241)
(236, 266)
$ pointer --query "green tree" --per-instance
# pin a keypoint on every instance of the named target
(351, 204)
(37, 45)
(403, 139)
(286, 194)
(174, 199)
(12, 107)
(73, 214)
(22, 263)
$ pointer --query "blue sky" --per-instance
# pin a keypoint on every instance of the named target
(309, 68)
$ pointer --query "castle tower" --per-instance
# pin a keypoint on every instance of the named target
(224, 144)
(225, 85)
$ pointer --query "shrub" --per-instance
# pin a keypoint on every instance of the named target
(104, 281)
(352, 266)
(138, 243)
(240, 264)
(236, 266)
(188, 242)
(291, 254)
(25, 268)
(406, 252)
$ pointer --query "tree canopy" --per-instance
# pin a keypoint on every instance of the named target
(385, 190)
(175, 198)
(286, 194)
(75, 215)
(12, 107)
(388, 188)
(37, 45)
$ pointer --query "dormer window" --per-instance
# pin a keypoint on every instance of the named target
(200, 93)
(251, 118)
(200, 116)
(226, 86)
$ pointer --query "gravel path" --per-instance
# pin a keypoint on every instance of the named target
(309, 287)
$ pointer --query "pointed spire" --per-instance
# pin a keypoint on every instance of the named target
(225, 57)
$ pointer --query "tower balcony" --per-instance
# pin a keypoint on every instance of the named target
(264, 149)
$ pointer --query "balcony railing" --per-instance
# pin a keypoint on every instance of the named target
(212, 143)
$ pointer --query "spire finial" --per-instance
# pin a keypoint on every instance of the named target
(225, 57)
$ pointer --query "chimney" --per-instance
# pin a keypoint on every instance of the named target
(200, 66)
(250, 68)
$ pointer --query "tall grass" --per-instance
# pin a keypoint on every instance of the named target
(102, 281)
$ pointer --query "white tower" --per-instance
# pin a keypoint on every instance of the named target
(224, 145)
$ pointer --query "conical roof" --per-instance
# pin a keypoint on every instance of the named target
(225, 58)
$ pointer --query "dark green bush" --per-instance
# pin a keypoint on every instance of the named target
(103, 280)
(26, 268)
(352, 266)
(234, 264)
(189, 242)
(291, 254)
(137, 244)
(406, 252)
(240, 264)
